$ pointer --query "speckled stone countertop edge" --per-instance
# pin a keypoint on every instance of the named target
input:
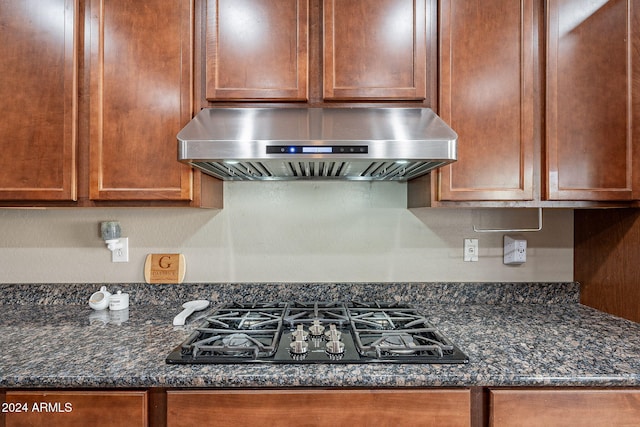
(206, 382)
(405, 292)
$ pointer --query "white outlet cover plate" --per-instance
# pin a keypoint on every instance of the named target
(470, 250)
(122, 254)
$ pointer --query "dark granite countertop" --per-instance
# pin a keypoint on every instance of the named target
(539, 335)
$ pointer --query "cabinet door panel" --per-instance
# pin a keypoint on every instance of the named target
(140, 98)
(256, 49)
(38, 100)
(333, 408)
(77, 408)
(375, 49)
(564, 408)
(590, 111)
(487, 72)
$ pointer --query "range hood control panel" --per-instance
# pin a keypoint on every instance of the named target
(317, 149)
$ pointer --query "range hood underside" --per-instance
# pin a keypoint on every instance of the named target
(356, 170)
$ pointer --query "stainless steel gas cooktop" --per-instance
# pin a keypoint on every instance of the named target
(316, 332)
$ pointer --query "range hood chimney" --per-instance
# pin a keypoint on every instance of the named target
(365, 144)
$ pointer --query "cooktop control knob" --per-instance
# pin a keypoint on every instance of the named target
(299, 334)
(335, 347)
(299, 347)
(333, 334)
(316, 329)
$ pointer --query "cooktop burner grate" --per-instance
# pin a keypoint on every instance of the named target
(316, 332)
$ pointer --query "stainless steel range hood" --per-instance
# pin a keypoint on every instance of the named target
(368, 144)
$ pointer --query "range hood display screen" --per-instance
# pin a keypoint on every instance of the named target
(298, 149)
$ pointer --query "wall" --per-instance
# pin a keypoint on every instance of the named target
(286, 232)
(607, 252)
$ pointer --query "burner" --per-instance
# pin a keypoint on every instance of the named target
(401, 343)
(316, 314)
(244, 320)
(394, 318)
(237, 340)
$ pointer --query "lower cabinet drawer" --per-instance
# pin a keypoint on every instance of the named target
(549, 408)
(75, 408)
(319, 408)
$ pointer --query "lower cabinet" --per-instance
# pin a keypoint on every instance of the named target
(477, 406)
(75, 408)
(541, 407)
(319, 408)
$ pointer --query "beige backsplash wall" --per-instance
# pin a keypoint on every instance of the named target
(286, 232)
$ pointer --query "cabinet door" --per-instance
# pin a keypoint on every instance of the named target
(38, 99)
(487, 77)
(140, 98)
(335, 408)
(375, 49)
(257, 49)
(76, 408)
(592, 102)
(564, 408)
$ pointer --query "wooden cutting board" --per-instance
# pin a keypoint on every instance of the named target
(164, 268)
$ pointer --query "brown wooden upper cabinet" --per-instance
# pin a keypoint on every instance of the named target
(369, 50)
(90, 112)
(593, 100)
(493, 85)
(140, 98)
(38, 108)
(256, 50)
(374, 49)
(487, 95)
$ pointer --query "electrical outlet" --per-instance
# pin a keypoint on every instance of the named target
(121, 254)
(515, 250)
(471, 250)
